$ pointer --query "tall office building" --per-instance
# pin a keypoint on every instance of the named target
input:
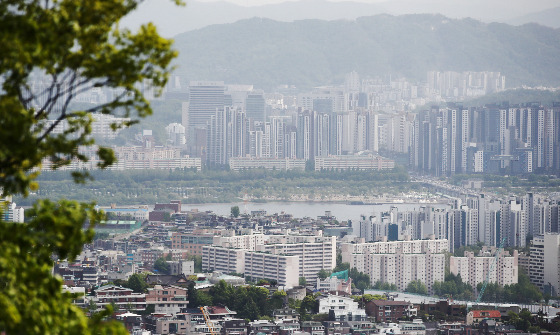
(255, 106)
(205, 97)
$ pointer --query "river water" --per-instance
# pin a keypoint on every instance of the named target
(342, 211)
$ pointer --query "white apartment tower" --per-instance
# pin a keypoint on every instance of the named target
(544, 268)
(399, 262)
(474, 270)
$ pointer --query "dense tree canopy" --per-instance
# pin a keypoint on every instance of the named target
(53, 51)
(385, 286)
(523, 292)
(162, 266)
(250, 302)
(416, 286)
(454, 287)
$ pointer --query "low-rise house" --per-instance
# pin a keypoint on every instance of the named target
(262, 327)
(80, 300)
(285, 314)
(313, 327)
(389, 311)
(123, 298)
(167, 299)
(336, 327)
(361, 327)
(337, 282)
(444, 307)
(177, 280)
(417, 327)
(451, 328)
(390, 328)
(341, 308)
(474, 317)
(288, 327)
(131, 321)
(234, 327)
(217, 314)
(165, 324)
(297, 293)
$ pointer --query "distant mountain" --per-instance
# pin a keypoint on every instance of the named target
(172, 20)
(484, 10)
(308, 53)
(548, 17)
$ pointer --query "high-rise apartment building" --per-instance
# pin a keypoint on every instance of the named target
(474, 270)
(399, 262)
(544, 263)
(496, 138)
(284, 258)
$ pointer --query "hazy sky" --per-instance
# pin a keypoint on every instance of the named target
(172, 20)
(268, 2)
(528, 3)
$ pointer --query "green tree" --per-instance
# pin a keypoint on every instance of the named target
(137, 283)
(234, 211)
(91, 307)
(197, 262)
(359, 279)
(379, 285)
(416, 286)
(203, 299)
(370, 297)
(310, 165)
(250, 311)
(71, 46)
(162, 266)
(453, 286)
(277, 300)
(323, 273)
(302, 281)
(309, 306)
(222, 293)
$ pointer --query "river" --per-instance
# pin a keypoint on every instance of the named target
(342, 211)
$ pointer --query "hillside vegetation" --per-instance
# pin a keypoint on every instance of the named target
(309, 53)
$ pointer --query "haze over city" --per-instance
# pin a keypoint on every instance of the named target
(304, 167)
(197, 14)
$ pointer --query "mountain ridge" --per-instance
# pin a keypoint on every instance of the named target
(308, 53)
(172, 20)
(549, 17)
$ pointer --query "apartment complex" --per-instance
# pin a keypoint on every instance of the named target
(502, 270)
(225, 260)
(284, 258)
(315, 252)
(399, 262)
(134, 158)
(243, 163)
(284, 269)
(509, 139)
(353, 162)
(248, 242)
